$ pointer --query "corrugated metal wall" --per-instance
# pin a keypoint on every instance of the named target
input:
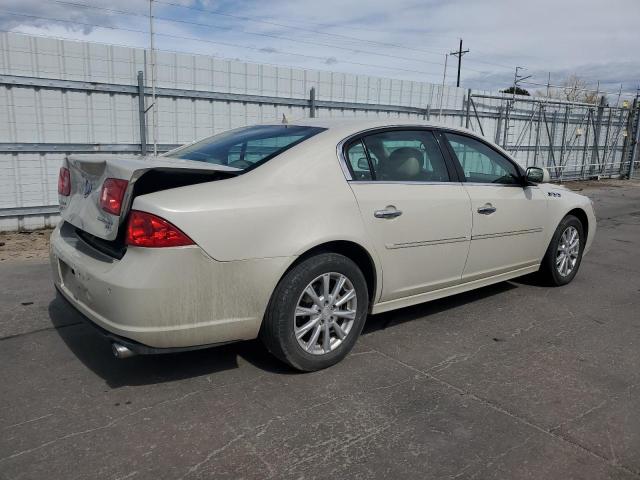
(34, 116)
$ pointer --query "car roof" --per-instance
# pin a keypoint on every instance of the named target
(345, 126)
(340, 128)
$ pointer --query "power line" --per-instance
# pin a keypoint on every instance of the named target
(296, 40)
(281, 25)
(320, 32)
(226, 44)
(199, 24)
(66, 55)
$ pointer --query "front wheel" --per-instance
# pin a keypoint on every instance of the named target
(564, 254)
(316, 312)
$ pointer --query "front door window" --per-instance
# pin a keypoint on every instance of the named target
(480, 163)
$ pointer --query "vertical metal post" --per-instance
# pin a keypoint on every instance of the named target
(634, 147)
(530, 129)
(605, 148)
(475, 112)
(499, 126)
(586, 144)
(537, 146)
(153, 81)
(552, 138)
(595, 157)
(312, 102)
(507, 118)
(425, 113)
(563, 144)
(467, 119)
(444, 77)
(626, 127)
(142, 114)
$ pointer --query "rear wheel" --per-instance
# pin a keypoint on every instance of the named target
(316, 312)
(564, 254)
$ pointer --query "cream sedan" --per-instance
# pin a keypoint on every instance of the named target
(294, 233)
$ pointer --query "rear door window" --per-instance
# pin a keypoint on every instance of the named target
(404, 156)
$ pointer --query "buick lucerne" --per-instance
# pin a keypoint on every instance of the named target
(294, 233)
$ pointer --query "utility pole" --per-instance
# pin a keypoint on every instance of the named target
(444, 77)
(548, 84)
(153, 82)
(511, 104)
(459, 54)
(517, 78)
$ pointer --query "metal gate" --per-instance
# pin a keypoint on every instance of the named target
(573, 140)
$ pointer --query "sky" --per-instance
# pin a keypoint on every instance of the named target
(596, 40)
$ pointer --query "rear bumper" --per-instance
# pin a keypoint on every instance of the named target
(170, 298)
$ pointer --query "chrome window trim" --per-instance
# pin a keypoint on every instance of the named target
(342, 160)
(488, 184)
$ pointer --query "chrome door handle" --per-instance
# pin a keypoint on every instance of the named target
(488, 209)
(389, 212)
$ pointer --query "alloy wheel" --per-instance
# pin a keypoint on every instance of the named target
(325, 313)
(568, 251)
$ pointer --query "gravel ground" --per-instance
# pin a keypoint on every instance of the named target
(16, 246)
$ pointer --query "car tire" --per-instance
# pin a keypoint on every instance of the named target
(292, 309)
(563, 257)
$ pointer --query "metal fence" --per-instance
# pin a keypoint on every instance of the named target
(61, 97)
(573, 140)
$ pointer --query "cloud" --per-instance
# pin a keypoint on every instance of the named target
(406, 39)
(40, 14)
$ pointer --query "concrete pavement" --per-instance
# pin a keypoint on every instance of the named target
(510, 381)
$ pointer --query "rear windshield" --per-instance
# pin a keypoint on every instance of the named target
(247, 147)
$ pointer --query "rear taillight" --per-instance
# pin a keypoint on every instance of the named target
(147, 230)
(64, 182)
(112, 194)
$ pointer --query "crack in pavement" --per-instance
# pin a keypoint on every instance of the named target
(524, 421)
(210, 455)
(578, 417)
(101, 427)
(27, 421)
(495, 458)
(16, 335)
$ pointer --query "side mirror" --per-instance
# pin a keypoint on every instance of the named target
(363, 164)
(538, 175)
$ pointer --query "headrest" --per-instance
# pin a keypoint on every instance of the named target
(405, 162)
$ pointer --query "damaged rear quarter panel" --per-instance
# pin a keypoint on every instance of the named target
(282, 208)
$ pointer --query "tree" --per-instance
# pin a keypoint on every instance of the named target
(572, 89)
(519, 91)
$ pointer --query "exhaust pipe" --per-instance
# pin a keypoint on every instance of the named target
(120, 351)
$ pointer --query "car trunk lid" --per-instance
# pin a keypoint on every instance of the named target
(81, 207)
